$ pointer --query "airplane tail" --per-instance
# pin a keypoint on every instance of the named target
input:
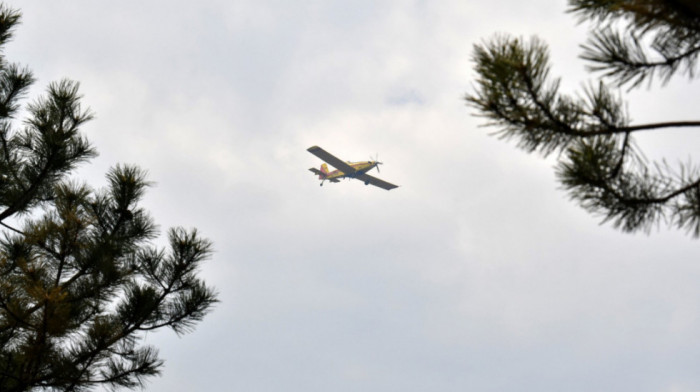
(324, 172)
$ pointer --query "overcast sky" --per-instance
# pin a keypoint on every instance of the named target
(477, 274)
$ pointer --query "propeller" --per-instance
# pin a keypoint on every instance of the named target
(376, 161)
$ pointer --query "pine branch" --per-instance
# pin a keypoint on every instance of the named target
(622, 57)
(25, 199)
(644, 15)
(669, 124)
(11, 228)
(595, 175)
(601, 171)
(80, 284)
(56, 119)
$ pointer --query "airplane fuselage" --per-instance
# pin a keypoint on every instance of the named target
(361, 167)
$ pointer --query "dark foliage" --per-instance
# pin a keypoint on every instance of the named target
(599, 164)
(80, 282)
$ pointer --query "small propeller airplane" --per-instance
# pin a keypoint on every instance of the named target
(356, 170)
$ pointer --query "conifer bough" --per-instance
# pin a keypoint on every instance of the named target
(600, 165)
(80, 282)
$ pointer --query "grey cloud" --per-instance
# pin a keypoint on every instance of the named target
(477, 273)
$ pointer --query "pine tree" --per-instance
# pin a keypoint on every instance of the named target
(599, 164)
(80, 281)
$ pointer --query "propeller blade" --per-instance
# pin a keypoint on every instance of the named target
(376, 161)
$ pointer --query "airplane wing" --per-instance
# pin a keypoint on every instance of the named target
(376, 182)
(328, 157)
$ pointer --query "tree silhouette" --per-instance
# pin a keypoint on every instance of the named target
(599, 164)
(80, 281)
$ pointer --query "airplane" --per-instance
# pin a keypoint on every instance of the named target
(356, 170)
